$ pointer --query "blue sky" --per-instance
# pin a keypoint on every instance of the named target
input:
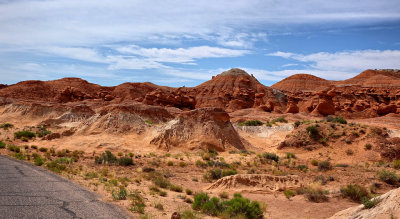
(178, 43)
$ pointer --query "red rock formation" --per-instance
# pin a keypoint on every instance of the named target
(302, 82)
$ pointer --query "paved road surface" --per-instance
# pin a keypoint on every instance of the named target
(27, 191)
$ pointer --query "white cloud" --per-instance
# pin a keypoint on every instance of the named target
(181, 55)
(74, 23)
(347, 61)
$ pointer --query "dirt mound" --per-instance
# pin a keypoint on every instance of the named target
(302, 82)
(375, 78)
(235, 89)
(206, 128)
(257, 182)
(388, 207)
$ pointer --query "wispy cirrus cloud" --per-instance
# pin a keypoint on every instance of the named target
(346, 61)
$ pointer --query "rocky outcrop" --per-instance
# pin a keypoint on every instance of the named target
(302, 83)
(205, 128)
(257, 182)
(388, 207)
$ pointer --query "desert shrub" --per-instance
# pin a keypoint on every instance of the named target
(215, 174)
(270, 156)
(199, 200)
(120, 195)
(201, 164)
(370, 203)
(320, 179)
(340, 120)
(314, 162)
(137, 203)
(125, 161)
(279, 119)
(396, 164)
(175, 188)
(106, 158)
(188, 191)
(26, 134)
(341, 165)
(43, 132)
(313, 131)
(163, 193)
(368, 146)
(159, 206)
(182, 164)
(19, 156)
(188, 214)
(290, 155)
(297, 124)
(324, 166)
(2, 144)
(289, 193)
(239, 206)
(159, 180)
(34, 147)
(37, 160)
(56, 166)
(170, 163)
(302, 167)
(315, 193)
(251, 123)
(389, 177)
(14, 148)
(149, 122)
(355, 192)
(6, 126)
(43, 149)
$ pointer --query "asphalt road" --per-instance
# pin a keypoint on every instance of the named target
(27, 191)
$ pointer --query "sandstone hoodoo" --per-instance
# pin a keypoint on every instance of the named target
(205, 128)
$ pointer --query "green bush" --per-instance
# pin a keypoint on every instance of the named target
(355, 192)
(271, 156)
(6, 126)
(302, 167)
(188, 192)
(370, 203)
(315, 194)
(289, 193)
(313, 131)
(389, 177)
(324, 166)
(2, 144)
(56, 166)
(120, 195)
(37, 160)
(14, 148)
(137, 203)
(297, 124)
(125, 161)
(314, 162)
(175, 188)
(251, 123)
(279, 119)
(368, 146)
(237, 207)
(106, 158)
(19, 156)
(215, 174)
(26, 134)
(340, 120)
(43, 149)
(290, 155)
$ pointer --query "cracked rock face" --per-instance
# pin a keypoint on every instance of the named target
(30, 192)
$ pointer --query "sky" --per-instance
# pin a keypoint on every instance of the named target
(184, 43)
